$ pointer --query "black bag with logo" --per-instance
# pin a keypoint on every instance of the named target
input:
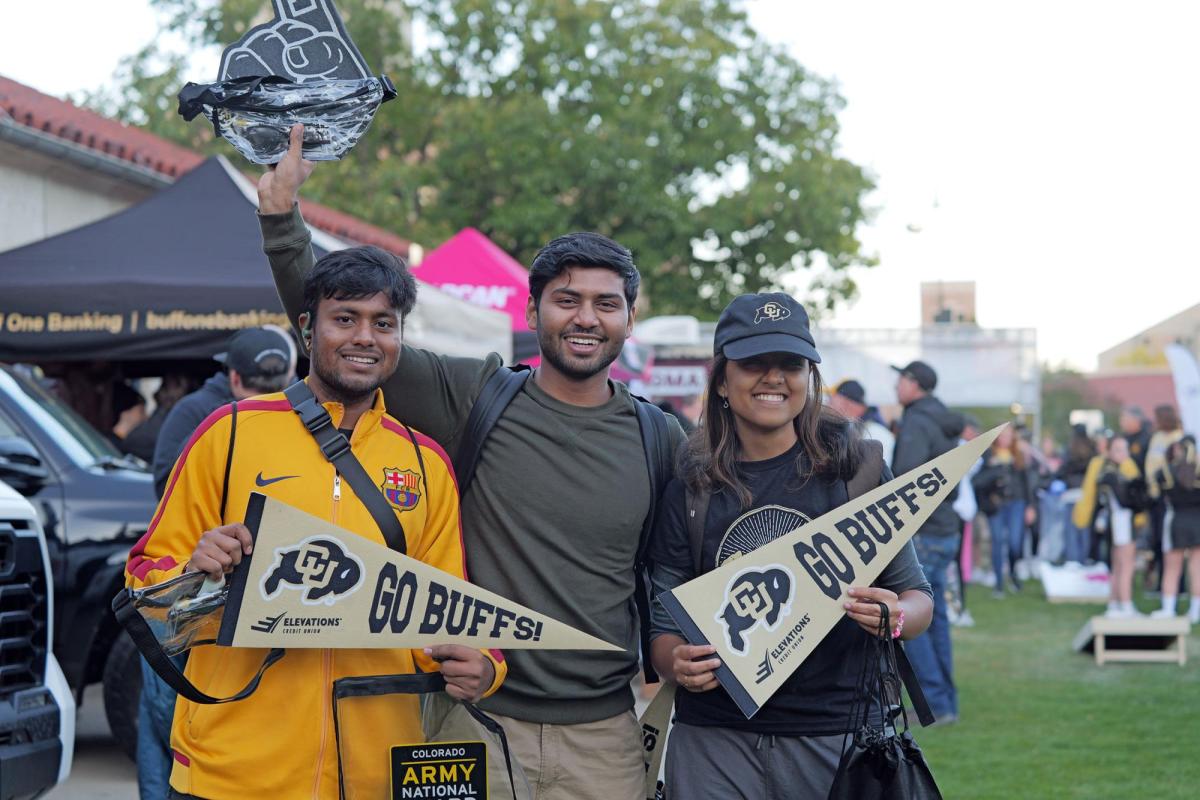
(879, 761)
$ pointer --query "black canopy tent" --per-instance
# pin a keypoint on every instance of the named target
(167, 279)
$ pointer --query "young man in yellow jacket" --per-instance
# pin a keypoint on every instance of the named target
(280, 741)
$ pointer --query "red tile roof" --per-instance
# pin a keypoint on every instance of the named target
(41, 112)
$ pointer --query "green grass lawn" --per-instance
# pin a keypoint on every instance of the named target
(1038, 720)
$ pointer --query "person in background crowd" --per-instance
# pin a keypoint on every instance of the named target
(1080, 451)
(1112, 492)
(850, 400)
(1050, 504)
(768, 451)
(692, 407)
(1167, 431)
(927, 430)
(1137, 431)
(141, 440)
(1179, 482)
(258, 361)
(967, 509)
(129, 409)
(1004, 490)
(668, 407)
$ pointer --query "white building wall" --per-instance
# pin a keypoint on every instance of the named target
(975, 366)
(42, 197)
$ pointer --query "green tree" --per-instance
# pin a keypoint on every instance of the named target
(672, 126)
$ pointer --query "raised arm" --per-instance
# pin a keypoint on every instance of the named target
(428, 391)
(286, 239)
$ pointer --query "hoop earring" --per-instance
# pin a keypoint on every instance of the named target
(725, 403)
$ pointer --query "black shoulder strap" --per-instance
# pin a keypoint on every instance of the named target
(336, 449)
(870, 470)
(143, 638)
(228, 460)
(660, 461)
(498, 391)
(697, 515)
(864, 480)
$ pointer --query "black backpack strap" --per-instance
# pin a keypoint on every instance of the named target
(229, 459)
(143, 638)
(498, 391)
(336, 449)
(866, 478)
(697, 516)
(660, 461)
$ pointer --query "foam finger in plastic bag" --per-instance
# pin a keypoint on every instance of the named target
(300, 67)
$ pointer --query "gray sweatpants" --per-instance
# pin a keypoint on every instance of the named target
(723, 764)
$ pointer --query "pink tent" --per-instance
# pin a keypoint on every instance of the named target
(472, 268)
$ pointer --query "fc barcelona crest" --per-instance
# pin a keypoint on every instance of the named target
(401, 487)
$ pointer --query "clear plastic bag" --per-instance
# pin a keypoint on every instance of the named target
(256, 114)
(183, 612)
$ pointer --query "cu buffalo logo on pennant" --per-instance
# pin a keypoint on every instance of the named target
(755, 597)
(321, 567)
(401, 487)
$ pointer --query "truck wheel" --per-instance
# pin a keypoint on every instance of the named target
(122, 691)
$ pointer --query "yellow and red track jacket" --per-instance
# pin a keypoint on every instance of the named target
(279, 742)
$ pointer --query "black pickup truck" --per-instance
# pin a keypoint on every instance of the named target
(94, 504)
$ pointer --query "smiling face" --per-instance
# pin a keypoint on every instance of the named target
(355, 346)
(582, 321)
(767, 392)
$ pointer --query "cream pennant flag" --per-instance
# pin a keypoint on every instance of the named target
(766, 611)
(309, 583)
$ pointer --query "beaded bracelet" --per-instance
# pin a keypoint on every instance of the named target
(899, 624)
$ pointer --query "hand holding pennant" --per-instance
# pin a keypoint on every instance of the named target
(309, 583)
(768, 610)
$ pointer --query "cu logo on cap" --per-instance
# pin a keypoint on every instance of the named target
(772, 311)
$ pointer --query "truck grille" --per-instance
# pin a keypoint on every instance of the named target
(23, 611)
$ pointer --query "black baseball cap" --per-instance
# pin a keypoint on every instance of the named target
(257, 351)
(852, 390)
(771, 322)
(920, 372)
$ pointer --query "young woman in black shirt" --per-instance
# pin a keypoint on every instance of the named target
(772, 458)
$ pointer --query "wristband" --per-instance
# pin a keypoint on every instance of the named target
(899, 624)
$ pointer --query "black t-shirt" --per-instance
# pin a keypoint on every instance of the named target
(817, 698)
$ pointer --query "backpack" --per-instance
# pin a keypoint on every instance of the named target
(498, 391)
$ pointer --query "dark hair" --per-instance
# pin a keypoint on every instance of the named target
(583, 250)
(829, 444)
(268, 383)
(1165, 418)
(125, 397)
(358, 272)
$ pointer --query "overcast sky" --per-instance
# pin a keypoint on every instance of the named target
(1046, 150)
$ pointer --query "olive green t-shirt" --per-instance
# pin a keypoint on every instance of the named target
(553, 515)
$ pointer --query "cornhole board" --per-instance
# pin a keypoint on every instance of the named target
(1075, 584)
(1136, 639)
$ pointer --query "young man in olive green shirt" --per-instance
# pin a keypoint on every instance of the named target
(553, 516)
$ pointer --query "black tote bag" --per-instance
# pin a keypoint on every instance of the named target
(879, 761)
